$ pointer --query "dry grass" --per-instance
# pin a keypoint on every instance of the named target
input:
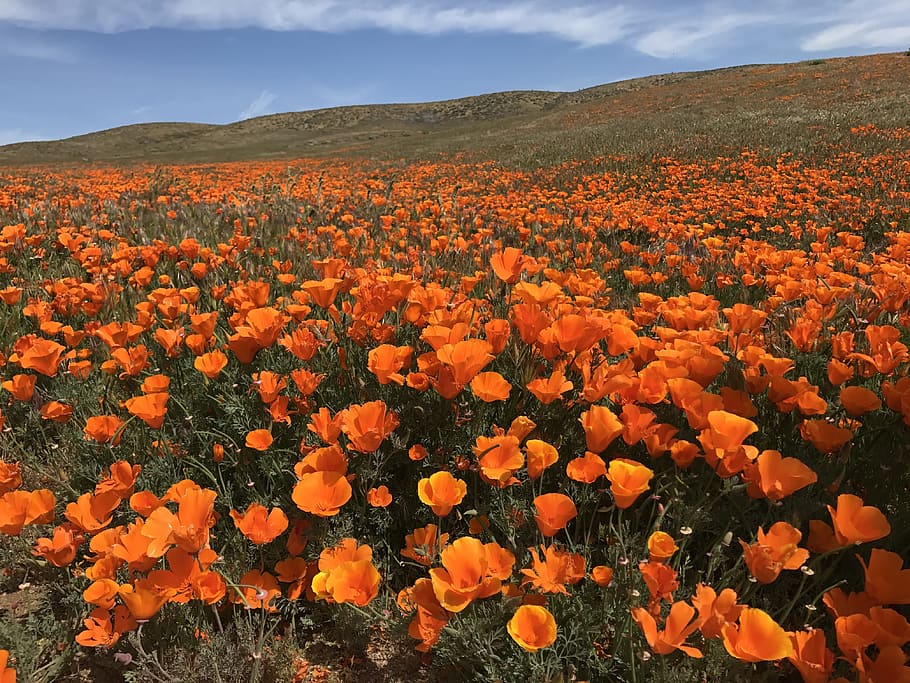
(797, 107)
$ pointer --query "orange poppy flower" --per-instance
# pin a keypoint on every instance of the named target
(628, 480)
(188, 529)
(661, 580)
(325, 426)
(259, 439)
(540, 455)
(553, 572)
(839, 372)
(356, 582)
(43, 356)
(811, 656)
(326, 459)
(774, 551)
(463, 577)
(679, 626)
(776, 477)
(500, 561)
(892, 628)
(715, 610)
(601, 428)
(661, 546)
(10, 296)
(322, 493)
(854, 634)
(521, 427)
(257, 589)
(104, 428)
(367, 425)
(551, 388)
(637, 423)
(386, 361)
(128, 545)
(93, 512)
(7, 673)
(826, 437)
(102, 629)
(465, 359)
(60, 549)
(299, 573)
(602, 575)
(757, 638)
(122, 479)
(260, 329)
(298, 537)
(886, 579)
(56, 411)
(490, 387)
(306, 381)
(22, 387)
(587, 468)
(22, 508)
(423, 545)
(430, 617)
(211, 364)
(144, 503)
(155, 384)
(532, 627)
(150, 408)
(889, 665)
(132, 361)
(379, 497)
(10, 476)
(859, 400)
(268, 384)
(322, 292)
(441, 492)
(497, 332)
(554, 512)
(144, 599)
(857, 523)
(499, 458)
(508, 264)
(842, 604)
(102, 593)
(259, 525)
(723, 440)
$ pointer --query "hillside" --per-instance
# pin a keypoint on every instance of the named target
(786, 107)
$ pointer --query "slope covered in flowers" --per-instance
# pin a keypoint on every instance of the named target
(605, 420)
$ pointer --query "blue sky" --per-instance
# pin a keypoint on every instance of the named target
(73, 66)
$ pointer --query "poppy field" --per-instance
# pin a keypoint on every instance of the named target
(608, 420)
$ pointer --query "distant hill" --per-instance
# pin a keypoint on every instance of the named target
(781, 107)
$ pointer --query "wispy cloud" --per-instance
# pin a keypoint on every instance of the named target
(696, 34)
(586, 23)
(260, 106)
(9, 136)
(660, 28)
(877, 25)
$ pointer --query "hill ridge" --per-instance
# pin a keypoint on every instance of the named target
(622, 115)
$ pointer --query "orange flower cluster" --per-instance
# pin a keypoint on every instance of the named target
(504, 390)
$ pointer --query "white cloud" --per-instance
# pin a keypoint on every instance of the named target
(697, 35)
(587, 23)
(660, 28)
(9, 136)
(259, 107)
(884, 24)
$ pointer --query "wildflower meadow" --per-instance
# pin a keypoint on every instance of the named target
(604, 420)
